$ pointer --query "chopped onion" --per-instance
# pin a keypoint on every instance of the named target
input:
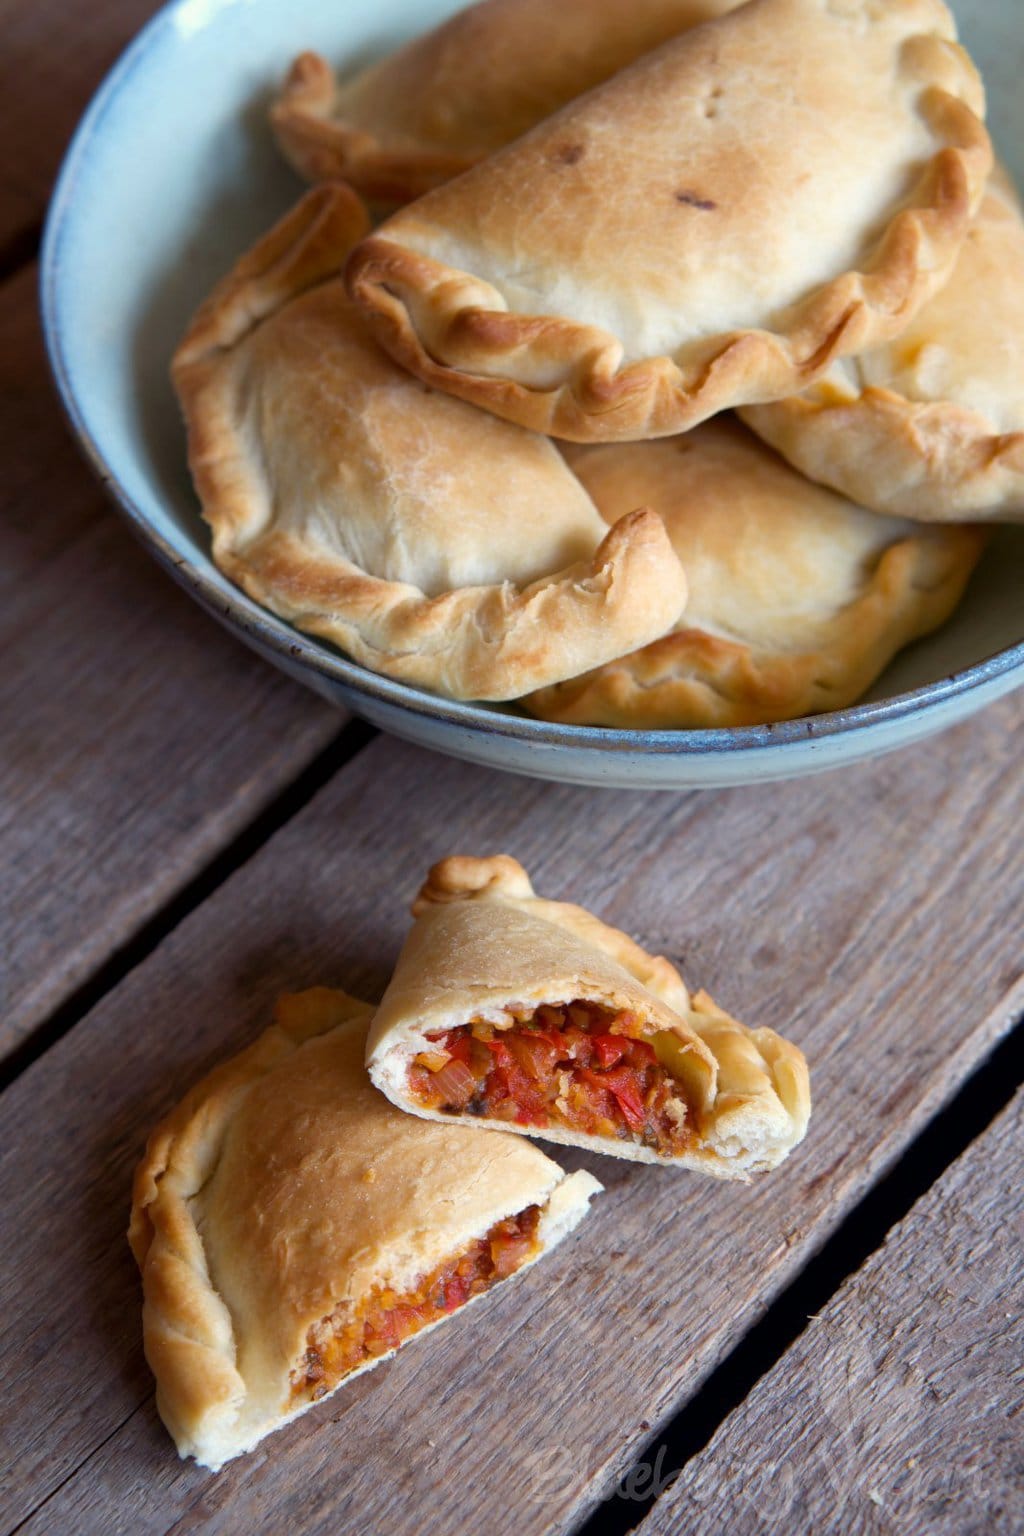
(455, 1083)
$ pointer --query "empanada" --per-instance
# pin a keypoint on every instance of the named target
(432, 542)
(293, 1228)
(932, 424)
(461, 91)
(512, 1012)
(781, 186)
(798, 598)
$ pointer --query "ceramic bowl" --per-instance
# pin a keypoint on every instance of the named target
(173, 173)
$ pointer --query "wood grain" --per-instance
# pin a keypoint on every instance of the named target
(896, 984)
(138, 737)
(901, 1408)
(48, 71)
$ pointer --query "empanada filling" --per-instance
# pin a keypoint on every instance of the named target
(351, 1335)
(579, 1065)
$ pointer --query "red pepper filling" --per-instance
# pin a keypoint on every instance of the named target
(577, 1065)
(351, 1335)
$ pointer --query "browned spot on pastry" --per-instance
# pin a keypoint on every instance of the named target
(711, 101)
(694, 200)
(569, 154)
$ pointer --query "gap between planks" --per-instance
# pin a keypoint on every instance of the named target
(349, 741)
(121, 776)
(900, 1410)
(947, 1138)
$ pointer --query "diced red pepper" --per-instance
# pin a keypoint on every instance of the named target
(458, 1044)
(551, 1037)
(527, 1095)
(598, 1094)
(609, 1049)
(501, 1053)
(531, 1113)
(455, 1292)
(622, 1082)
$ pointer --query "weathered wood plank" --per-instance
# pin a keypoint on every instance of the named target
(48, 71)
(900, 1409)
(138, 737)
(874, 915)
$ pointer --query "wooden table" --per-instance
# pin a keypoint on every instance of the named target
(183, 833)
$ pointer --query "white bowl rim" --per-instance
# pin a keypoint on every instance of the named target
(270, 633)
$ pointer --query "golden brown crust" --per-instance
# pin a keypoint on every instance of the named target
(455, 95)
(322, 145)
(930, 426)
(671, 329)
(461, 878)
(187, 1328)
(799, 600)
(433, 543)
(283, 1187)
(483, 944)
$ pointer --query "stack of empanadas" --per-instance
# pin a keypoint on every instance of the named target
(294, 1227)
(608, 223)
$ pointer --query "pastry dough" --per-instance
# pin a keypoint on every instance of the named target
(798, 598)
(453, 96)
(285, 1201)
(931, 425)
(534, 1016)
(432, 542)
(784, 185)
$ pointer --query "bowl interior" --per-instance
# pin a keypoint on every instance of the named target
(174, 173)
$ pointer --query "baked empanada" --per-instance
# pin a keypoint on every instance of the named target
(512, 1012)
(430, 541)
(798, 598)
(293, 1228)
(461, 91)
(781, 186)
(932, 424)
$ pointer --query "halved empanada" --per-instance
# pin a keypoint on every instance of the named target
(455, 95)
(533, 1016)
(779, 187)
(798, 598)
(293, 1229)
(432, 542)
(931, 425)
